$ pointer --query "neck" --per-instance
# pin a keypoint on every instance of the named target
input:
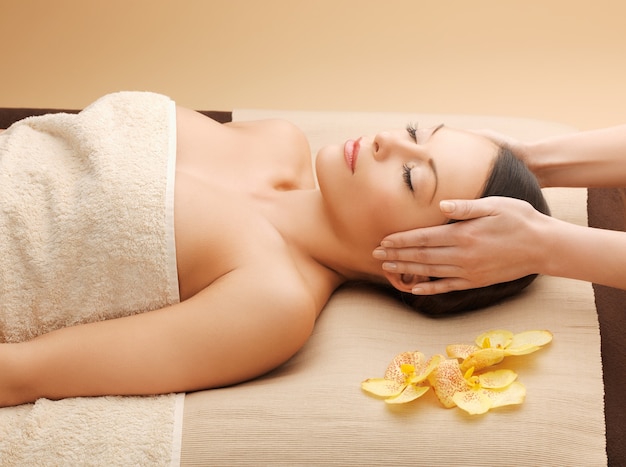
(301, 218)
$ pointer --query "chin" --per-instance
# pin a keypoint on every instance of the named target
(328, 155)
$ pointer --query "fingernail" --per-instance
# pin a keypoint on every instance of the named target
(417, 291)
(379, 253)
(387, 266)
(447, 206)
(386, 243)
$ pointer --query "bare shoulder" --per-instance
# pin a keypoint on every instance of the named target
(293, 135)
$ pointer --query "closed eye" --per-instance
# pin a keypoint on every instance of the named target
(411, 129)
(406, 175)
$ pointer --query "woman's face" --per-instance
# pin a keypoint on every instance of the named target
(393, 181)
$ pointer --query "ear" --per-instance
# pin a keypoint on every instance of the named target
(404, 282)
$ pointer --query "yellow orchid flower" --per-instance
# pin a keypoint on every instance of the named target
(492, 346)
(409, 375)
(476, 394)
(403, 378)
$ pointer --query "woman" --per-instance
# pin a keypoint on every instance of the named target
(259, 248)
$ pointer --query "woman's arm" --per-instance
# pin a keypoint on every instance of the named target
(232, 331)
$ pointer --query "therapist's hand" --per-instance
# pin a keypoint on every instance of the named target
(500, 240)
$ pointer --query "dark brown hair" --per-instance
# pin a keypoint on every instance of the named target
(509, 177)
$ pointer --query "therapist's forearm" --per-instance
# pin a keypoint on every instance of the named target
(585, 253)
(594, 158)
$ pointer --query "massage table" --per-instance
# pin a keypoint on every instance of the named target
(277, 420)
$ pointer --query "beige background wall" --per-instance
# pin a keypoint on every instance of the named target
(562, 60)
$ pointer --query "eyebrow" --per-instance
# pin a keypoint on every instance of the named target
(431, 162)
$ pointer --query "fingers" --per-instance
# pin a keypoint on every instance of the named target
(422, 269)
(446, 235)
(439, 235)
(441, 286)
(465, 209)
(438, 255)
(442, 235)
(449, 277)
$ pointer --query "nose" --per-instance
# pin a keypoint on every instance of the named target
(383, 143)
(395, 143)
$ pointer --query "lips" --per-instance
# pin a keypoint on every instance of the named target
(351, 152)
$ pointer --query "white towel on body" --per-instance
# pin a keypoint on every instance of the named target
(86, 234)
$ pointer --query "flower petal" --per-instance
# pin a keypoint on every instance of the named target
(382, 387)
(528, 342)
(473, 402)
(460, 350)
(511, 395)
(532, 337)
(447, 379)
(394, 370)
(482, 359)
(499, 338)
(497, 379)
(428, 368)
(410, 393)
(523, 350)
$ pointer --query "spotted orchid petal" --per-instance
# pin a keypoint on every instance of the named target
(473, 402)
(460, 350)
(402, 377)
(479, 401)
(513, 394)
(404, 364)
(410, 393)
(497, 379)
(447, 380)
(383, 387)
(430, 366)
(411, 367)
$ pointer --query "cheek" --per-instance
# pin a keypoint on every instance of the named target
(390, 216)
(384, 214)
